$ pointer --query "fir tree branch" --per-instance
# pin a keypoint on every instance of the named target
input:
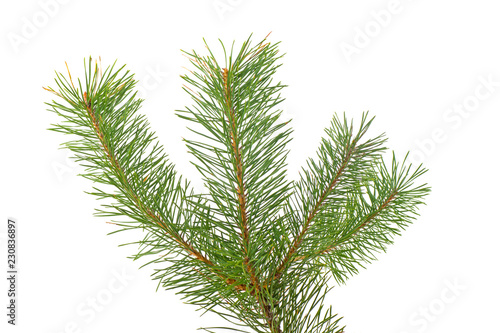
(372, 215)
(79, 100)
(298, 239)
(354, 156)
(382, 208)
(241, 193)
(233, 105)
(238, 169)
(131, 191)
(255, 247)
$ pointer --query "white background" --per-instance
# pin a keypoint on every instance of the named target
(414, 71)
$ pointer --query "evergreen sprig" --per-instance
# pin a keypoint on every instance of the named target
(257, 248)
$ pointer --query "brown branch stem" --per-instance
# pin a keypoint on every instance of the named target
(242, 201)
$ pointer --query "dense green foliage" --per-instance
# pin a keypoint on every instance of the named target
(256, 248)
